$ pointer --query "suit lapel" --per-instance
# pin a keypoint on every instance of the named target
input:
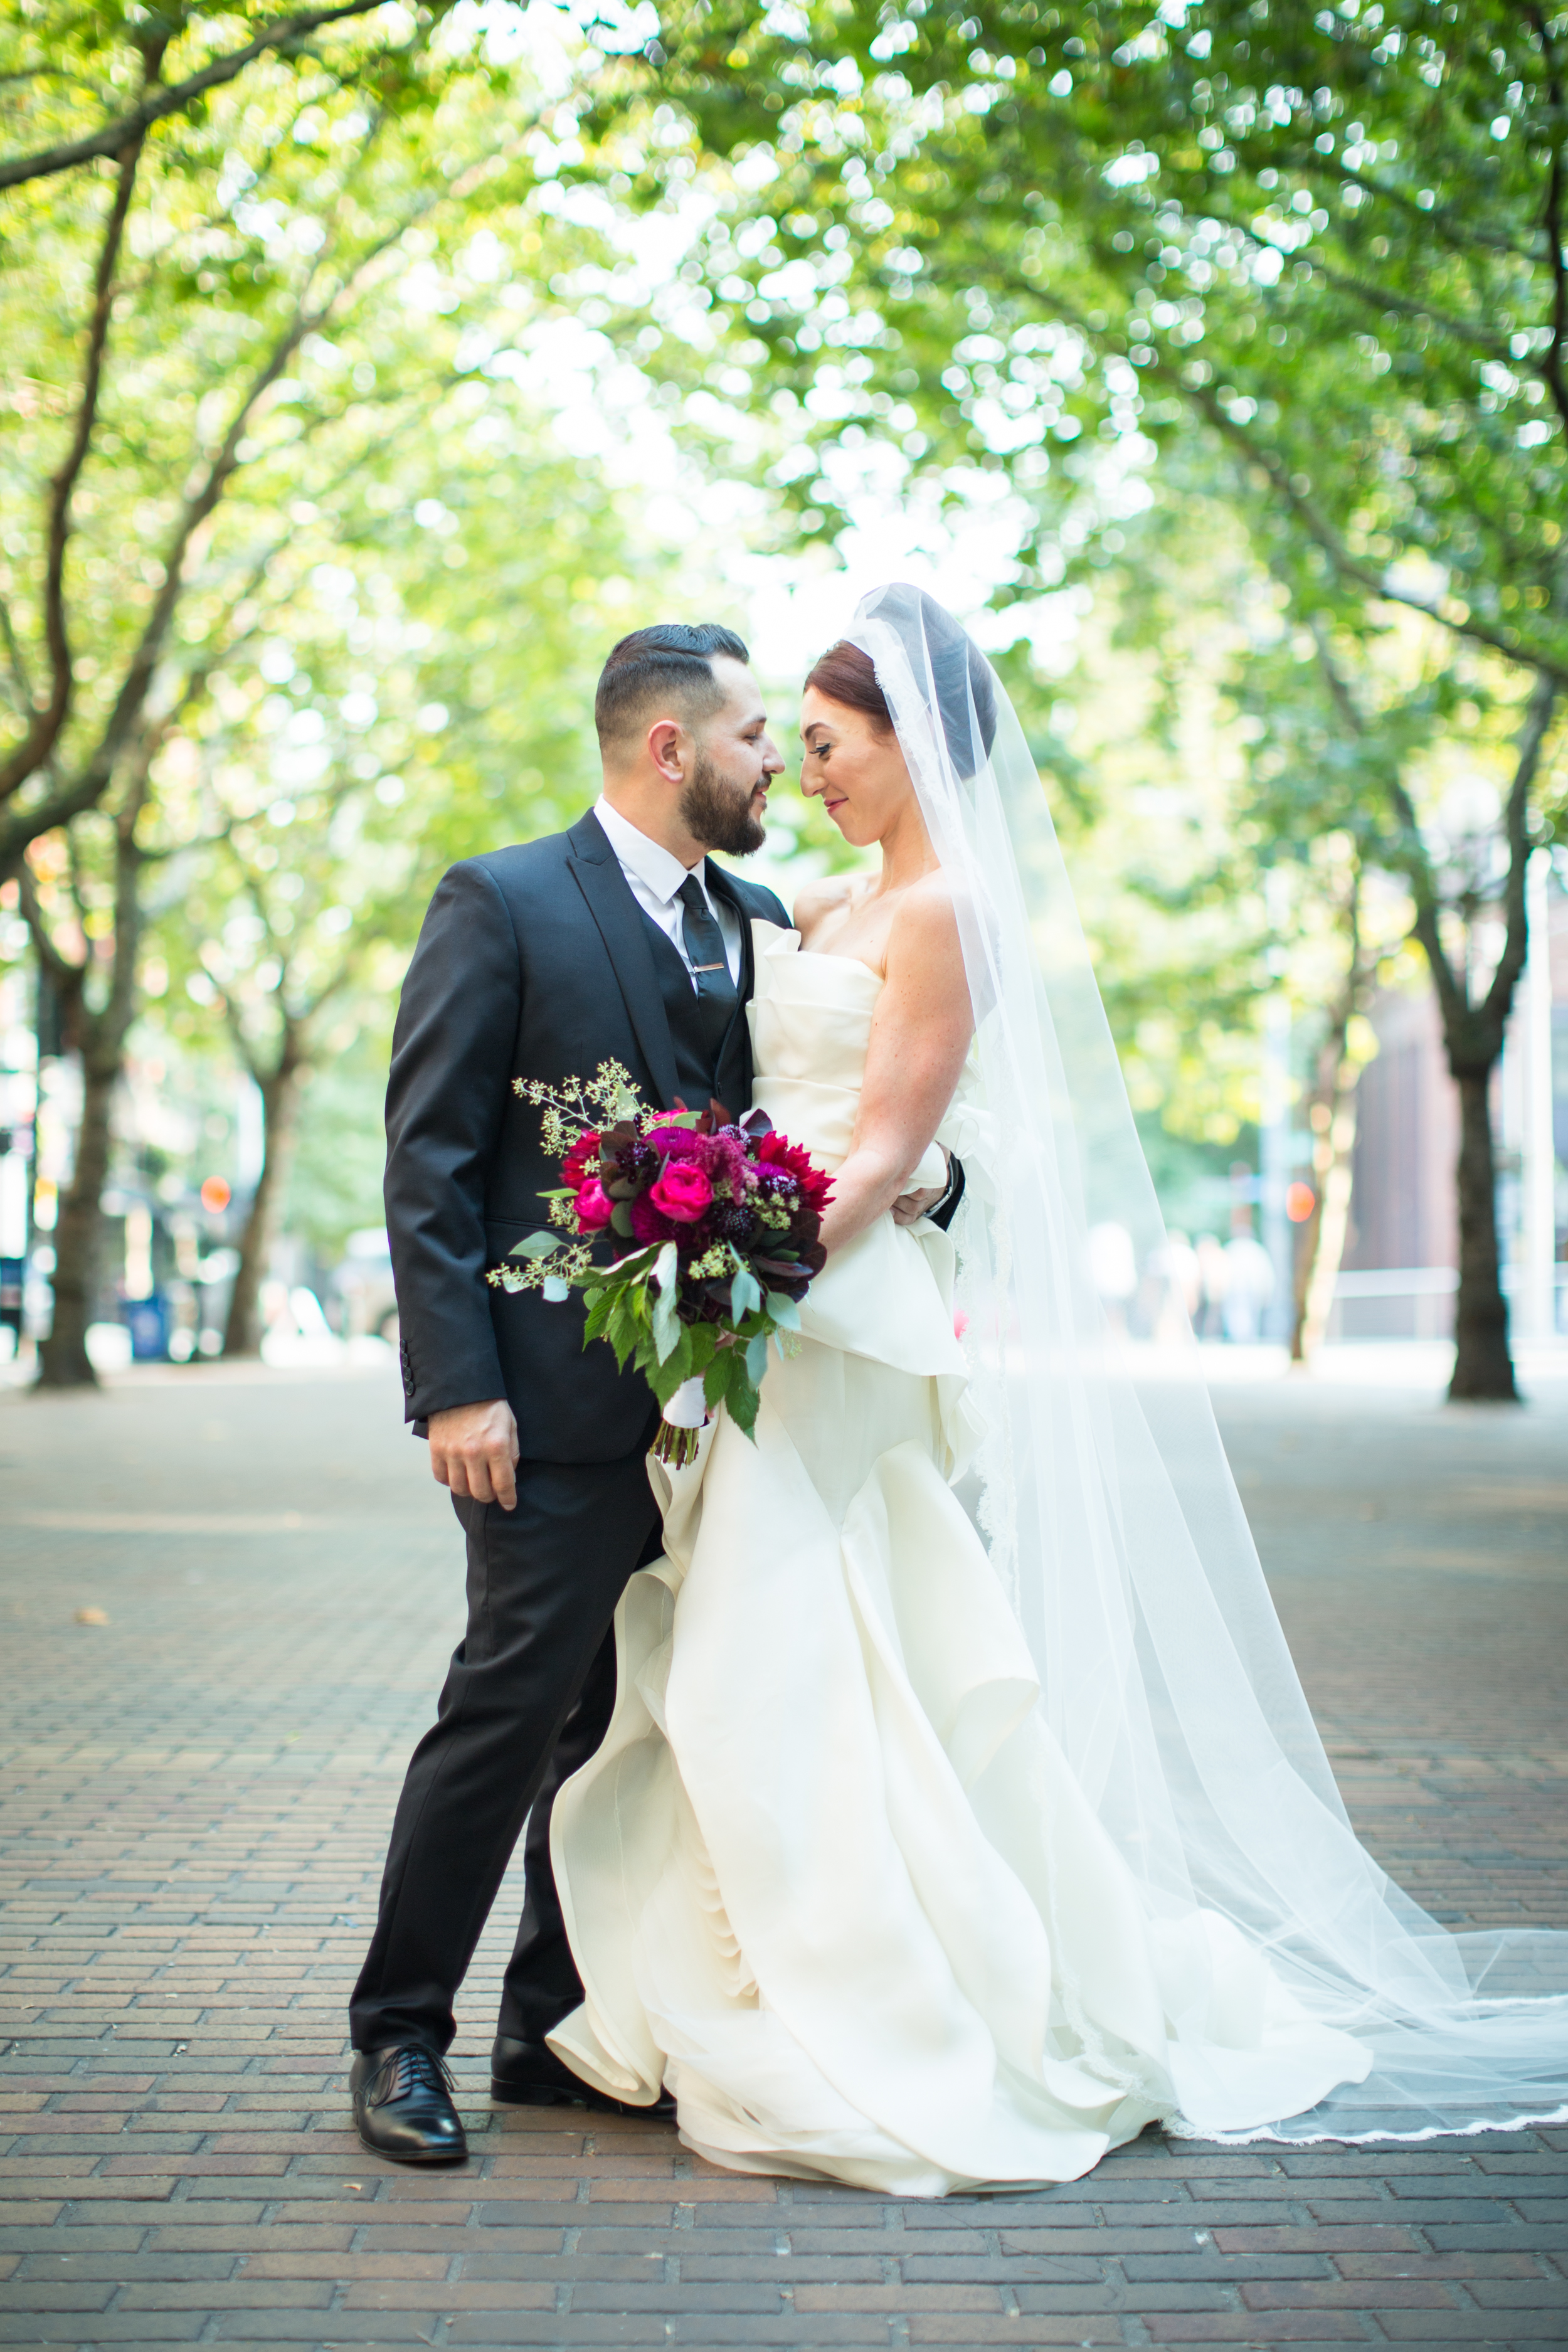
(596, 871)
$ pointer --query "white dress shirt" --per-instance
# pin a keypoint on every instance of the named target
(655, 876)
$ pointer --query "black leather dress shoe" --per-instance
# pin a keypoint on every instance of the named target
(530, 2075)
(403, 2105)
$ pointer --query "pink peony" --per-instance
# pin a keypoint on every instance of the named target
(594, 1207)
(683, 1192)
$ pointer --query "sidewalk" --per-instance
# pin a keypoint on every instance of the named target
(197, 1796)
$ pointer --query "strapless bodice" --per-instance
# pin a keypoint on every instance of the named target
(811, 1023)
(887, 1294)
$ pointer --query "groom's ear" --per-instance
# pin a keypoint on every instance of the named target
(665, 743)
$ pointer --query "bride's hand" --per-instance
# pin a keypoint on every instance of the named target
(910, 1207)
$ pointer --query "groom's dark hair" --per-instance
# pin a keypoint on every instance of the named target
(670, 663)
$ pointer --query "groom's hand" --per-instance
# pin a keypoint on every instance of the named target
(474, 1451)
(910, 1207)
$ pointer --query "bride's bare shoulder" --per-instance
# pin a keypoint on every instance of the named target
(829, 893)
(927, 917)
(925, 951)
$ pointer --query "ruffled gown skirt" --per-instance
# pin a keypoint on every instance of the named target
(829, 1878)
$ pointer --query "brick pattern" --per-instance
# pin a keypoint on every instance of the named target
(196, 1798)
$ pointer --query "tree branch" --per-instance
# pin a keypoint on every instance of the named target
(46, 723)
(63, 974)
(282, 31)
(128, 863)
(1350, 567)
(1416, 865)
(129, 703)
(1313, 521)
(1380, 297)
(125, 716)
(1538, 716)
(16, 659)
(1460, 232)
(19, 827)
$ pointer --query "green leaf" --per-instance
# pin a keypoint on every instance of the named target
(757, 1359)
(678, 1363)
(601, 1304)
(621, 1220)
(745, 1292)
(536, 1246)
(784, 1310)
(620, 1328)
(741, 1400)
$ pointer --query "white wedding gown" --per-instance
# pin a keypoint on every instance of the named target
(829, 1877)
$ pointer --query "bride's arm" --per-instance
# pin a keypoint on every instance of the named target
(920, 1035)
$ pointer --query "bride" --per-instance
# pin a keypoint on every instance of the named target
(961, 1813)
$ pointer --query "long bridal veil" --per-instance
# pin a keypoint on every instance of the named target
(1110, 1507)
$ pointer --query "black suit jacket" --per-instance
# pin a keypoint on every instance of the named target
(534, 962)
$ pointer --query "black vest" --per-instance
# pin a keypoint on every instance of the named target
(703, 1067)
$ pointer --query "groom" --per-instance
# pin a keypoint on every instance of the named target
(616, 941)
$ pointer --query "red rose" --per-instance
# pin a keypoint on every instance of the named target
(683, 1192)
(580, 1160)
(594, 1207)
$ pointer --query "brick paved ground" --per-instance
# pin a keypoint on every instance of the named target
(197, 1793)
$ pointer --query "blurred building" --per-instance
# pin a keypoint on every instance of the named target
(1399, 1272)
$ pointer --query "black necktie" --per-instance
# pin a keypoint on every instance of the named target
(717, 996)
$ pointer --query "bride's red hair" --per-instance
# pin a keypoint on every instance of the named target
(845, 675)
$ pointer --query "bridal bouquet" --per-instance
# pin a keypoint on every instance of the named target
(723, 1219)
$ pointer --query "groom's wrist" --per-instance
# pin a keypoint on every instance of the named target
(942, 1211)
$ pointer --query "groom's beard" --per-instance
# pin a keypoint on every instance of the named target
(719, 813)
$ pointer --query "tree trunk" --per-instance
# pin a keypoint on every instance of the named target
(1482, 1366)
(1319, 1269)
(1333, 1115)
(63, 1360)
(280, 1092)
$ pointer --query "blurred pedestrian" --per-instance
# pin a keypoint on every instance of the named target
(1176, 1286)
(1113, 1264)
(1213, 1274)
(1249, 1280)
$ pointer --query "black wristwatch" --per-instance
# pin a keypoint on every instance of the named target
(942, 1212)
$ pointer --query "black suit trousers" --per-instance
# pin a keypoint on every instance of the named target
(528, 1698)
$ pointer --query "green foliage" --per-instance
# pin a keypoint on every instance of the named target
(1011, 245)
(333, 588)
(623, 1304)
(1014, 236)
(334, 1184)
